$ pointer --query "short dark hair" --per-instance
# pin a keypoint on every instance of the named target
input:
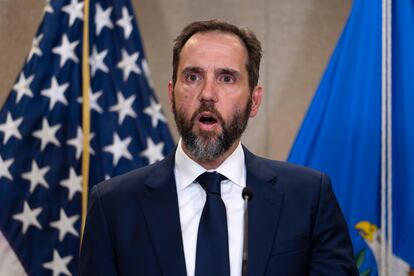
(249, 39)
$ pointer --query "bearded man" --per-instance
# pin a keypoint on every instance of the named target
(185, 214)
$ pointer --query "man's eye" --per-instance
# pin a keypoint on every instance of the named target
(192, 77)
(227, 79)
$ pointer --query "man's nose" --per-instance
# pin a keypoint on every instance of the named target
(209, 90)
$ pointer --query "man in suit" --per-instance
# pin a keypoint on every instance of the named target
(165, 219)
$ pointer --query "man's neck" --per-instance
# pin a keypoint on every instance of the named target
(215, 163)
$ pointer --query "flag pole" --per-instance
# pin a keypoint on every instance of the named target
(386, 142)
(85, 113)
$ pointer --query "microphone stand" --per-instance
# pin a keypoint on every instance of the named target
(246, 195)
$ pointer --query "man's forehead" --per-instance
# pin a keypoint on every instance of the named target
(203, 46)
(218, 35)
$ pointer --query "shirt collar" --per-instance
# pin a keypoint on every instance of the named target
(187, 170)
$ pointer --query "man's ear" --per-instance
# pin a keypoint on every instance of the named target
(257, 96)
(171, 93)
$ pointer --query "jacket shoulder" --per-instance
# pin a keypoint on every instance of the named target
(127, 184)
(290, 171)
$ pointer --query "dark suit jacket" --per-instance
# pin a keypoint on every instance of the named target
(295, 224)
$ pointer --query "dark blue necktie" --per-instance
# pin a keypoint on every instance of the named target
(212, 257)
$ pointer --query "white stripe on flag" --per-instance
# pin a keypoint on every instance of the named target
(9, 263)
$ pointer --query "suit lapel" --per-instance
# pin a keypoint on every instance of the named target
(161, 212)
(264, 210)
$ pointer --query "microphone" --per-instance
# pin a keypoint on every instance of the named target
(246, 195)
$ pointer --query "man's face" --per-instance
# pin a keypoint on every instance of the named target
(211, 99)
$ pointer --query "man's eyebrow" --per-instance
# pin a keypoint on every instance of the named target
(192, 69)
(228, 71)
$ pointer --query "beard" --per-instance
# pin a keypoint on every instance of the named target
(207, 146)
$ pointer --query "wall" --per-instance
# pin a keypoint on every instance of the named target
(298, 37)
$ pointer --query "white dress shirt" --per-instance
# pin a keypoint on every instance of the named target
(192, 197)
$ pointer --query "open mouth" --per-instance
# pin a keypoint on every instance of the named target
(207, 120)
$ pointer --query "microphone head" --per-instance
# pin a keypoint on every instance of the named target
(247, 193)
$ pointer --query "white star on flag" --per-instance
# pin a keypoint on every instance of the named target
(35, 50)
(4, 168)
(11, 128)
(73, 183)
(102, 18)
(75, 10)
(93, 100)
(65, 225)
(58, 265)
(119, 149)
(154, 110)
(124, 107)
(36, 176)
(77, 142)
(55, 93)
(47, 134)
(96, 60)
(128, 64)
(147, 72)
(66, 50)
(153, 152)
(125, 22)
(22, 87)
(28, 217)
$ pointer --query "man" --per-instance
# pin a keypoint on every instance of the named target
(163, 219)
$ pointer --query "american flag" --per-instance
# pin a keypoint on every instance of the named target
(41, 131)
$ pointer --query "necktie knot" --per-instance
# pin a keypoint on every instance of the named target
(210, 181)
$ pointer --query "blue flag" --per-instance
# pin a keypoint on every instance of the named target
(341, 133)
(403, 131)
(41, 131)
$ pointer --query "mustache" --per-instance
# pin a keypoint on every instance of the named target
(207, 107)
